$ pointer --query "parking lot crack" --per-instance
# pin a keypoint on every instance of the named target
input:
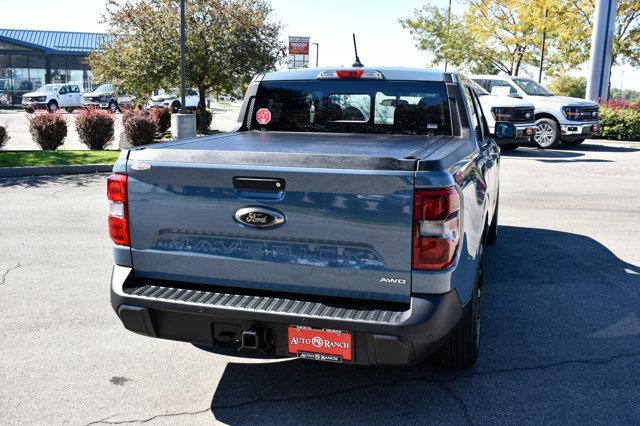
(606, 360)
(149, 419)
(3, 277)
(460, 401)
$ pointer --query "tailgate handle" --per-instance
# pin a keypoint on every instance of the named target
(251, 184)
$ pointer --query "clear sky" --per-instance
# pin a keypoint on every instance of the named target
(381, 40)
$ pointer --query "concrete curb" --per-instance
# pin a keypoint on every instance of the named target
(55, 170)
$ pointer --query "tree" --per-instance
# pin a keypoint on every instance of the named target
(506, 34)
(228, 41)
(566, 85)
(491, 35)
(626, 40)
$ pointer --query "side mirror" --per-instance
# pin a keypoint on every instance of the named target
(515, 95)
(505, 130)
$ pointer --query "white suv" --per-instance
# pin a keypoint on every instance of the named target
(558, 118)
(170, 99)
(53, 97)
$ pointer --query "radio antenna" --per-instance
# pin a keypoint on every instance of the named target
(357, 63)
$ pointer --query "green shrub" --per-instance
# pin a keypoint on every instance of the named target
(140, 127)
(4, 136)
(95, 128)
(566, 85)
(209, 120)
(48, 130)
(619, 123)
(163, 118)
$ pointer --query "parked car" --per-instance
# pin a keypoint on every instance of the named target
(52, 97)
(505, 108)
(559, 119)
(106, 96)
(170, 99)
(330, 225)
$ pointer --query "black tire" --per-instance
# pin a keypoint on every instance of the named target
(492, 233)
(52, 106)
(573, 142)
(547, 134)
(69, 109)
(175, 107)
(113, 106)
(462, 348)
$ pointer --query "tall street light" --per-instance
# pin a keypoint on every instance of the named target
(446, 63)
(183, 59)
(317, 52)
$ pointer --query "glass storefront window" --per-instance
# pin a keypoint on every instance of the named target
(37, 71)
(5, 80)
(22, 73)
(59, 70)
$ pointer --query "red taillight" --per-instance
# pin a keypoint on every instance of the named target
(436, 228)
(118, 211)
(349, 73)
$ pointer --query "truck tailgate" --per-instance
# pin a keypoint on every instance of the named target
(347, 230)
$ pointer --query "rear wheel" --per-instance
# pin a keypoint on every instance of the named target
(462, 349)
(547, 133)
(175, 107)
(573, 142)
(113, 106)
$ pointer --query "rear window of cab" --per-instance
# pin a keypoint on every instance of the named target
(354, 106)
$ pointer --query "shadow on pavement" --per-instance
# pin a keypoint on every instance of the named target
(44, 180)
(564, 151)
(560, 343)
(527, 152)
(598, 147)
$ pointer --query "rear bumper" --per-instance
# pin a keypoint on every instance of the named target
(207, 315)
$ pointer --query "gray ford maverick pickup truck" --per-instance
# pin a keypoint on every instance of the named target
(344, 220)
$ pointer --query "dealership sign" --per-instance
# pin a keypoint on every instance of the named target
(298, 45)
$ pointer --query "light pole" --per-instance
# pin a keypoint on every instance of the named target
(183, 124)
(446, 63)
(317, 52)
(183, 59)
(544, 40)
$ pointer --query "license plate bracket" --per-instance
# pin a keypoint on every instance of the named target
(320, 344)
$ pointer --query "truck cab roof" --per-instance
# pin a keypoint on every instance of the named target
(389, 73)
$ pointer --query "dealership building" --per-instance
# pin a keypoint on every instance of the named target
(29, 59)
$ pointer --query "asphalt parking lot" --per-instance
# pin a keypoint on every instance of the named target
(560, 334)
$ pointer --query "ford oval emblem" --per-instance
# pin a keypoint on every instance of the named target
(259, 217)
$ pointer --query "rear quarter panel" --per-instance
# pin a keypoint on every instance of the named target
(467, 177)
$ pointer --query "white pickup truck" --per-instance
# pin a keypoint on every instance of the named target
(558, 118)
(53, 97)
(506, 108)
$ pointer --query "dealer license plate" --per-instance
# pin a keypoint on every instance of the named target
(322, 345)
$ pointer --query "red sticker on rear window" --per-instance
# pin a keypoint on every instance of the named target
(263, 116)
